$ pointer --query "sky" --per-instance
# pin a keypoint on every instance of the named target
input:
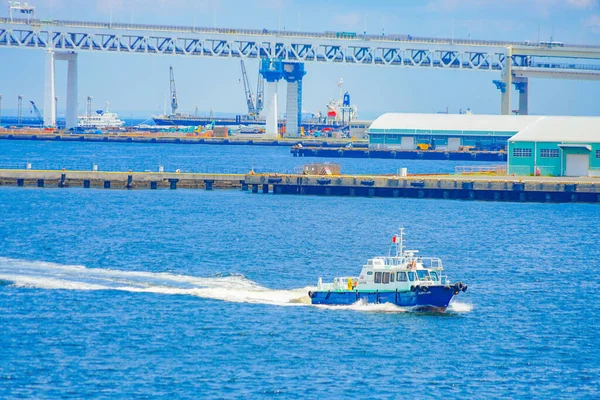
(136, 85)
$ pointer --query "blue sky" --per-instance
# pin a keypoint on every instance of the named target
(136, 84)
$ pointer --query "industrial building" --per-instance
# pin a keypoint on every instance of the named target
(359, 129)
(445, 131)
(536, 145)
(556, 146)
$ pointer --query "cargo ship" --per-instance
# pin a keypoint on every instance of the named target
(315, 123)
(337, 118)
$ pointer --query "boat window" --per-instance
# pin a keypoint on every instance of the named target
(386, 277)
(411, 276)
(392, 277)
(370, 273)
(423, 274)
(378, 277)
(401, 277)
(434, 276)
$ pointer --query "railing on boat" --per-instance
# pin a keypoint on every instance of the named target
(425, 262)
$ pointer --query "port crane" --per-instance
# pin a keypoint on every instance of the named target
(255, 106)
(37, 112)
(248, 90)
(174, 105)
(260, 93)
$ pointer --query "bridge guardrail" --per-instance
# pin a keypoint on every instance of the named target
(278, 33)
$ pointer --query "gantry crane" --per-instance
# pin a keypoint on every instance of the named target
(248, 91)
(260, 93)
(37, 112)
(174, 105)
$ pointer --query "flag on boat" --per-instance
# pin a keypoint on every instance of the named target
(396, 239)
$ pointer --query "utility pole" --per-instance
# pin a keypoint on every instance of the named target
(19, 109)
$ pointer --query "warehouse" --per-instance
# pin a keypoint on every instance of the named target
(556, 146)
(445, 131)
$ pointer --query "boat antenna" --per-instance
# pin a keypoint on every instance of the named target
(401, 245)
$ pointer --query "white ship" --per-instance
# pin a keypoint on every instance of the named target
(102, 119)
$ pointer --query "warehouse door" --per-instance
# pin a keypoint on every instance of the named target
(408, 143)
(577, 165)
(453, 143)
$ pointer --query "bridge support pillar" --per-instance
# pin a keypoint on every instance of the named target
(49, 103)
(504, 85)
(272, 71)
(271, 128)
(522, 85)
(293, 74)
(49, 89)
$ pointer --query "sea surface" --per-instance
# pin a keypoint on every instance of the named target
(193, 158)
(201, 294)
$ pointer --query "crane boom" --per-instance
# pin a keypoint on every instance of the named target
(174, 105)
(260, 93)
(37, 111)
(248, 90)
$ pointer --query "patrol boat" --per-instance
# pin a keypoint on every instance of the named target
(402, 278)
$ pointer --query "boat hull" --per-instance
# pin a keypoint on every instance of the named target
(434, 297)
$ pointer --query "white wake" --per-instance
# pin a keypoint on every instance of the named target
(231, 288)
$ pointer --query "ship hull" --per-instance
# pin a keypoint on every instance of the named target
(436, 297)
(200, 121)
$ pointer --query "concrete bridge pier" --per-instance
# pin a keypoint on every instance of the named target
(522, 85)
(272, 71)
(505, 83)
(49, 88)
(293, 74)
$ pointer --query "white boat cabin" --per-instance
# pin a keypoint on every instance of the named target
(400, 271)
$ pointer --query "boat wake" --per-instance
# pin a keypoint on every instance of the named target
(230, 288)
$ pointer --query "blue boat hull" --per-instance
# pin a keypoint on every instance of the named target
(435, 297)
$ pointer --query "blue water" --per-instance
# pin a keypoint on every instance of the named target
(192, 158)
(188, 294)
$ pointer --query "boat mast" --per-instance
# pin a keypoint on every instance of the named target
(397, 242)
(401, 245)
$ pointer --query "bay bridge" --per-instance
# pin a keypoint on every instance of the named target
(284, 53)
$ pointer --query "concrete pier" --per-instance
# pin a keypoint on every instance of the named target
(39, 134)
(120, 180)
(466, 187)
(359, 152)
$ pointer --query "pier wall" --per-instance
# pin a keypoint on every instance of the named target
(177, 139)
(120, 180)
(346, 152)
(465, 187)
(489, 188)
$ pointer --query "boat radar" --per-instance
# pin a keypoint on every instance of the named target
(402, 278)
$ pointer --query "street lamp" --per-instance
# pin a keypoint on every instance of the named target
(23, 8)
